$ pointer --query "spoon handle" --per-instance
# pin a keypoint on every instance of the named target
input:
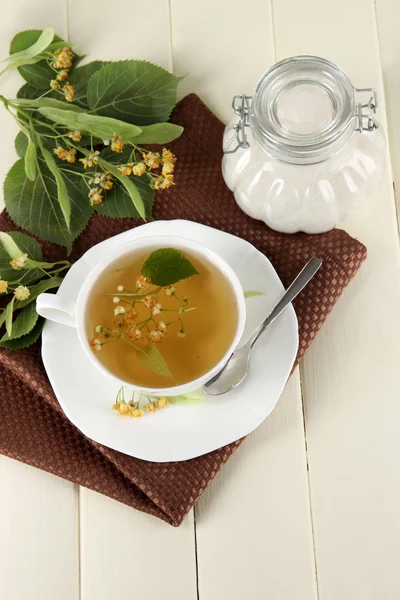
(295, 288)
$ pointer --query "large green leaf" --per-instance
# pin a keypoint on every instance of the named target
(26, 340)
(23, 324)
(34, 206)
(129, 186)
(79, 79)
(102, 127)
(159, 133)
(26, 244)
(28, 92)
(167, 266)
(133, 90)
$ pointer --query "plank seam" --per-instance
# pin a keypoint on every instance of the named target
(171, 55)
(309, 482)
(196, 560)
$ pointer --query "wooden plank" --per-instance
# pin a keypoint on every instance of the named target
(38, 512)
(254, 537)
(127, 554)
(124, 553)
(38, 535)
(253, 525)
(351, 378)
(388, 12)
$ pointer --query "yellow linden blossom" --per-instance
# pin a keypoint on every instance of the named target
(119, 310)
(22, 293)
(168, 167)
(139, 169)
(155, 336)
(18, 262)
(133, 333)
(117, 145)
(161, 326)
(122, 408)
(62, 58)
(95, 345)
(142, 282)
(162, 183)
(106, 181)
(170, 290)
(149, 301)
(151, 407)
(162, 403)
(156, 309)
(152, 160)
(68, 155)
(96, 196)
(62, 75)
(54, 84)
(126, 169)
(131, 315)
(90, 161)
(168, 156)
(69, 92)
(137, 413)
(75, 136)
(3, 286)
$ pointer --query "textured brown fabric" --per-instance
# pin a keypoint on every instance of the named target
(33, 428)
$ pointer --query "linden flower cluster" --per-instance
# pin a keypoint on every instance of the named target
(61, 63)
(150, 162)
(136, 408)
(21, 292)
(129, 322)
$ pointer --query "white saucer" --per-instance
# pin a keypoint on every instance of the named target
(178, 432)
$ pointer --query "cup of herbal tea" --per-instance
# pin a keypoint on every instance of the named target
(161, 314)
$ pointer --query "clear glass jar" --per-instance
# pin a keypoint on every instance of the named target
(306, 151)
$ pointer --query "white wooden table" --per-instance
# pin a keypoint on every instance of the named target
(308, 507)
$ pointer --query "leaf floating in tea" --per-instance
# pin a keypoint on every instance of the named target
(167, 266)
(152, 358)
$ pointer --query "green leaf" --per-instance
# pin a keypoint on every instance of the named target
(21, 144)
(79, 79)
(129, 186)
(34, 206)
(39, 288)
(9, 316)
(30, 161)
(102, 127)
(51, 103)
(28, 92)
(135, 91)
(250, 293)
(189, 398)
(167, 266)
(23, 324)
(17, 59)
(26, 340)
(26, 244)
(159, 133)
(62, 192)
(152, 358)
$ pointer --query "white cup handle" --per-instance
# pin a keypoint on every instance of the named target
(51, 307)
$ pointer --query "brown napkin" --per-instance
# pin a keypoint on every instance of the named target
(33, 428)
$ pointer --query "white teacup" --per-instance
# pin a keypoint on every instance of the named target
(53, 308)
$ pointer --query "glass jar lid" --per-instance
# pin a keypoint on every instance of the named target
(303, 110)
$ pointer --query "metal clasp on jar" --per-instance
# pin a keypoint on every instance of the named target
(241, 107)
(365, 121)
